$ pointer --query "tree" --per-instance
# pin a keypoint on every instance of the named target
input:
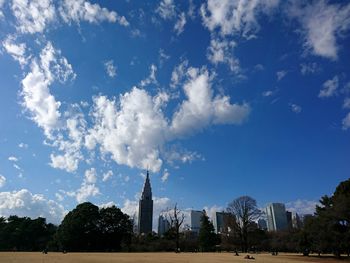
(115, 228)
(176, 220)
(329, 228)
(245, 210)
(207, 237)
(78, 230)
(88, 228)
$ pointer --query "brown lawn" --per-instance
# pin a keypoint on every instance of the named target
(31, 257)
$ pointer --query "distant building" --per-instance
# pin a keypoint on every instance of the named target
(146, 208)
(220, 222)
(296, 221)
(195, 220)
(289, 219)
(163, 225)
(262, 224)
(276, 217)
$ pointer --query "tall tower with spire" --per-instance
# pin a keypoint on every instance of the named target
(146, 208)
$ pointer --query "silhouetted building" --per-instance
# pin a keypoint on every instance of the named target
(289, 219)
(220, 222)
(163, 225)
(146, 208)
(276, 217)
(195, 222)
(262, 224)
(296, 221)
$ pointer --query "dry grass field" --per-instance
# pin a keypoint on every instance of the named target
(31, 257)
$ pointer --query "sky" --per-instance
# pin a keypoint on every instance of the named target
(216, 98)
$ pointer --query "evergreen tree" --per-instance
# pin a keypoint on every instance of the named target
(207, 237)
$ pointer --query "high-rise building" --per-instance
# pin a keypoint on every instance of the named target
(220, 222)
(195, 222)
(296, 221)
(289, 219)
(146, 208)
(262, 224)
(276, 217)
(163, 225)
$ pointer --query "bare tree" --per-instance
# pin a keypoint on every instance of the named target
(245, 210)
(176, 220)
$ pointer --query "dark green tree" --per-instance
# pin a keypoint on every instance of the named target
(88, 228)
(115, 229)
(207, 238)
(79, 228)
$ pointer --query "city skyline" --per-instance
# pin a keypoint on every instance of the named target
(217, 99)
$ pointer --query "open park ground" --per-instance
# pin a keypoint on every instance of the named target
(31, 257)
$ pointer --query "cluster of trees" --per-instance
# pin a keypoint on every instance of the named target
(23, 233)
(329, 229)
(90, 228)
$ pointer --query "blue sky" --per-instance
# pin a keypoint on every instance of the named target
(216, 98)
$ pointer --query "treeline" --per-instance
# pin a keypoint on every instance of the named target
(90, 228)
(23, 233)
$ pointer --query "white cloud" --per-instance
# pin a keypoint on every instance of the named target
(309, 68)
(166, 9)
(24, 203)
(329, 88)
(220, 51)
(162, 57)
(111, 69)
(151, 79)
(107, 176)
(108, 204)
(322, 24)
(17, 167)
(59, 197)
(165, 175)
(1, 5)
(346, 104)
(13, 159)
(268, 93)
(281, 74)
(302, 206)
(346, 122)
(91, 176)
(23, 145)
(295, 108)
(180, 24)
(64, 162)
(130, 208)
(81, 10)
(235, 17)
(212, 210)
(70, 144)
(36, 95)
(180, 155)
(33, 16)
(133, 133)
(2, 180)
(88, 187)
(202, 109)
(17, 51)
(178, 73)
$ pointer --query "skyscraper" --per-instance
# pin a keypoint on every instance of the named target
(146, 208)
(195, 220)
(163, 225)
(276, 217)
(220, 222)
